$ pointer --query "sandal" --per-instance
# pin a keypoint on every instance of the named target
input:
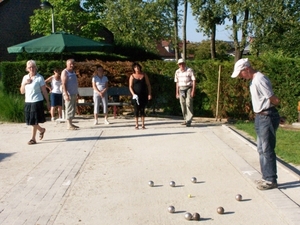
(136, 127)
(143, 127)
(72, 128)
(31, 142)
(42, 134)
(75, 126)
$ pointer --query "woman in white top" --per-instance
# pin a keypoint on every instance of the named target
(100, 86)
(34, 88)
(55, 93)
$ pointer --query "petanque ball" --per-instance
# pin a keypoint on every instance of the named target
(188, 216)
(220, 210)
(194, 179)
(171, 209)
(238, 197)
(196, 216)
(151, 183)
(172, 183)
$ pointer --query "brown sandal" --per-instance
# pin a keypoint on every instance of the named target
(42, 134)
(72, 128)
(31, 142)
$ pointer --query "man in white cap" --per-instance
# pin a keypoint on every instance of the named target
(267, 120)
(185, 90)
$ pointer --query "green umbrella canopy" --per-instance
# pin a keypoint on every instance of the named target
(59, 42)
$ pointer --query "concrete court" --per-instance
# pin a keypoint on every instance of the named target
(99, 175)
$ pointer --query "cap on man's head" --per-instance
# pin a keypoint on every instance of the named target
(239, 66)
(180, 61)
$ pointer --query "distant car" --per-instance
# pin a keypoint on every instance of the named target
(231, 54)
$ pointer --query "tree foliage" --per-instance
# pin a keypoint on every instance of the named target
(209, 14)
(276, 27)
(69, 16)
(137, 22)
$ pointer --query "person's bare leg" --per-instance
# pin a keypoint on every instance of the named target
(59, 110)
(33, 134)
(105, 119)
(136, 123)
(52, 112)
(143, 122)
(95, 118)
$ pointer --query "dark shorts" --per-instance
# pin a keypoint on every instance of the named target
(34, 113)
(55, 99)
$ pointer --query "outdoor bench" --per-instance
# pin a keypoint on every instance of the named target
(114, 94)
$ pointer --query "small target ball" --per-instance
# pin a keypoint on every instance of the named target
(172, 183)
(189, 195)
(220, 210)
(188, 216)
(151, 183)
(238, 197)
(171, 209)
(194, 179)
(196, 216)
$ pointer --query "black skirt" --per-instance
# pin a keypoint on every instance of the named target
(34, 113)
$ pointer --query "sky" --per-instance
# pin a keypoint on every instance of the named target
(193, 36)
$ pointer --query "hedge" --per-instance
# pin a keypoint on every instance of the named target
(234, 98)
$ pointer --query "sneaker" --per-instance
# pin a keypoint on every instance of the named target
(188, 124)
(96, 122)
(267, 185)
(52, 119)
(106, 122)
(259, 181)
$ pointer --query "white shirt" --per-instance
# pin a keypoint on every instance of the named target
(100, 83)
(261, 91)
(33, 91)
(184, 78)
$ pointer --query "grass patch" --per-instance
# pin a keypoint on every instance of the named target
(287, 141)
(12, 107)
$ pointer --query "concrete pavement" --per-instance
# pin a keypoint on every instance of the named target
(99, 175)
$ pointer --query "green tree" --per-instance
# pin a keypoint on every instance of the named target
(202, 51)
(209, 14)
(185, 11)
(69, 16)
(276, 27)
(137, 22)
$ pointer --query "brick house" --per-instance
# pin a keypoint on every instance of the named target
(15, 28)
(14, 24)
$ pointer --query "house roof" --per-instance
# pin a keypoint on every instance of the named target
(162, 51)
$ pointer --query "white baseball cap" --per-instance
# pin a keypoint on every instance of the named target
(239, 66)
(180, 61)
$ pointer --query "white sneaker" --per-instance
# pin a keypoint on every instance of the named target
(52, 119)
(96, 122)
(106, 122)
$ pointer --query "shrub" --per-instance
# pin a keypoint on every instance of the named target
(12, 107)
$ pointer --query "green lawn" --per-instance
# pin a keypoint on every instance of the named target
(287, 147)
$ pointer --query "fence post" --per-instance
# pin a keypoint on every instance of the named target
(218, 93)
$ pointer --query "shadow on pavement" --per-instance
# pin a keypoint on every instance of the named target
(287, 185)
(5, 155)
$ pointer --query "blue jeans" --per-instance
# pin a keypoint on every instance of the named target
(265, 127)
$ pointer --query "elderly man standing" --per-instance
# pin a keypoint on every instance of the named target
(185, 90)
(70, 91)
(266, 120)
